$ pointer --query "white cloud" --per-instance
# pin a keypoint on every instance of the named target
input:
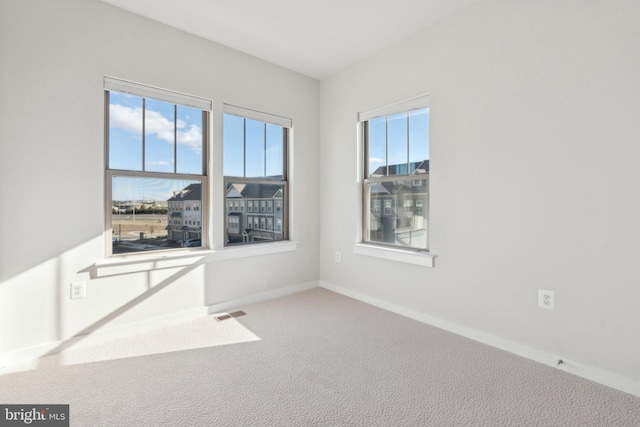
(127, 118)
(375, 160)
(130, 120)
(159, 163)
(192, 137)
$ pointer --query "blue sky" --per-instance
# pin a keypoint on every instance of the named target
(176, 145)
(403, 138)
(170, 145)
(264, 148)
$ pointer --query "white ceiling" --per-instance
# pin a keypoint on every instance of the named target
(315, 38)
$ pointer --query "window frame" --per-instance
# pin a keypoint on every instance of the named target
(367, 246)
(111, 84)
(287, 127)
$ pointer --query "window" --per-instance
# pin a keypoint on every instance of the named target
(255, 168)
(376, 207)
(156, 143)
(234, 223)
(396, 174)
(387, 207)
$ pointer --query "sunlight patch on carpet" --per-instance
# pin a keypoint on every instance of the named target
(199, 333)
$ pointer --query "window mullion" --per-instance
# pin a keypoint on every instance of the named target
(107, 108)
(386, 144)
(244, 149)
(144, 131)
(408, 146)
(175, 138)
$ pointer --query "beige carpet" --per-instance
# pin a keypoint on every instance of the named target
(311, 359)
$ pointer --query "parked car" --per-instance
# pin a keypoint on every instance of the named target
(193, 243)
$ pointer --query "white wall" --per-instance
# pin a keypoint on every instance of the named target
(535, 123)
(53, 58)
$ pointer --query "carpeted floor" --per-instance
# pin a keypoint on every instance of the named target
(315, 358)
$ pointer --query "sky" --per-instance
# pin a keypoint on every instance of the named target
(407, 140)
(173, 144)
(253, 149)
(170, 145)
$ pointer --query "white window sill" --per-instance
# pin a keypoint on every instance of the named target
(180, 258)
(243, 251)
(424, 259)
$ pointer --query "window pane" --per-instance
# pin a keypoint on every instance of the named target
(377, 146)
(159, 134)
(190, 140)
(419, 140)
(275, 151)
(254, 228)
(125, 131)
(233, 129)
(255, 155)
(398, 144)
(151, 214)
(403, 219)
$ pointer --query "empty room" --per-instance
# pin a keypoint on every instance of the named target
(337, 213)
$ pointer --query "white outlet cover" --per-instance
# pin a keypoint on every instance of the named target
(78, 290)
(546, 299)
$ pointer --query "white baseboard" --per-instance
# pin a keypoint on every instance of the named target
(263, 296)
(600, 376)
(35, 352)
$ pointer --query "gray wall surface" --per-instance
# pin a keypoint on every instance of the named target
(534, 177)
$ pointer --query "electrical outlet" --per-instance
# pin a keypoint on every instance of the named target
(546, 299)
(338, 257)
(78, 290)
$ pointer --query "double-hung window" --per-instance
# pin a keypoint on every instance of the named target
(396, 174)
(255, 168)
(156, 168)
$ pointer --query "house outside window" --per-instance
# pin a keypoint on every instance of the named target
(396, 174)
(255, 165)
(156, 150)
